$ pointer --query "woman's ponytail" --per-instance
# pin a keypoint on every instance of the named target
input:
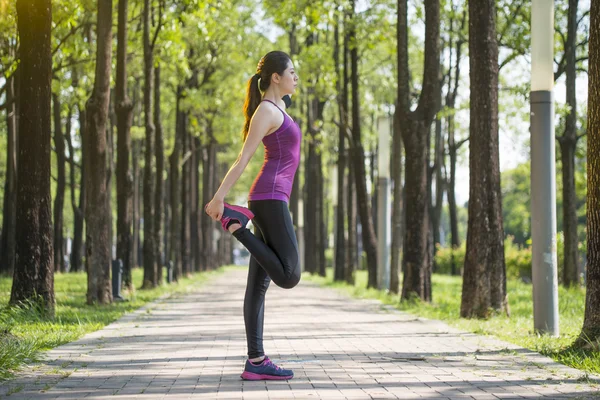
(253, 98)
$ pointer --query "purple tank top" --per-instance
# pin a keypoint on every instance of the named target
(282, 156)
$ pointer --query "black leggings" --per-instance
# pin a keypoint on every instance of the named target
(274, 251)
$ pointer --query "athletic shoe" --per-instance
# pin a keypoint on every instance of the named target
(266, 370)
(235, 214)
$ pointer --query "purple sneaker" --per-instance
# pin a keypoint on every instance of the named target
(266, 370)
(233, 214)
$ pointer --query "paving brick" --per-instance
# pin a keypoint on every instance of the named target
(192, 346)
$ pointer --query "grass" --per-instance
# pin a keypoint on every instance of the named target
(517, 329)
(25, 332)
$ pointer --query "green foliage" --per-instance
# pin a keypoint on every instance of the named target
(517, 329)
(25, 331)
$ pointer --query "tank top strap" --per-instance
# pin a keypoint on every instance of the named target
(275, 104)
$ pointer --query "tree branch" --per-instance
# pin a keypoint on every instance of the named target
(159, 25)
(62, 41)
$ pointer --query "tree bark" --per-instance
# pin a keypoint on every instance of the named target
(124, 110)
(358, 159)
(59, 198)
(397, 206)
(568, 144)
(78, 211)
(7, 260)
(159, 193)
(590, 332)
(186, 201)
(484, 278)
(98, 216)
(136, 256)
(415, 126)
(150, 273)
(340, 209)
(453, 147)
(33, 275)
(175, 183)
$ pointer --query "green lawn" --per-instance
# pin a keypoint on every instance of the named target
(24, 333)
(517, 329)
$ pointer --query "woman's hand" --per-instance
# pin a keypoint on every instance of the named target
(214, 209)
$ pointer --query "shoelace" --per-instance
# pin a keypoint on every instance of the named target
(269, 362)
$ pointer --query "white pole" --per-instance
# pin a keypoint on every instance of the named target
(543, 176)
(383, 203)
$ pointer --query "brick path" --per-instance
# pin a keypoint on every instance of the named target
(193, 346)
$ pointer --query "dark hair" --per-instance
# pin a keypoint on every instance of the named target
(272, 62)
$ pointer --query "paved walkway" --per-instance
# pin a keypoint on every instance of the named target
(193, 346)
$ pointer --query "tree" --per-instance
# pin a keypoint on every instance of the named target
(98, 216)
(149, 179)
(7, 250)
(34, 275)
(484, 277)
(124, 110)
(568, 145)
(358, 160)
(59, 198)
(415, 126)
(590, 332)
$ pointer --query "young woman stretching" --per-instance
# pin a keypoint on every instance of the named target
(273, 245)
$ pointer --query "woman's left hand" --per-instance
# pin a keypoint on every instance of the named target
(214, 209)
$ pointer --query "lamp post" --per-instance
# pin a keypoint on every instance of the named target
(383, 203)
(543, 177)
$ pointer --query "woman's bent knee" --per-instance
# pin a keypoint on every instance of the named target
(290, 282)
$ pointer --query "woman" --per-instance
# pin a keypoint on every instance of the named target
(273, 245)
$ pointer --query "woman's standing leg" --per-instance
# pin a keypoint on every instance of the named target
(254, 306)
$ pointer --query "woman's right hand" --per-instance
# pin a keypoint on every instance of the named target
(215, 208)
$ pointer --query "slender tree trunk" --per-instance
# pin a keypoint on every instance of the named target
(397, 207)
(98, 214)
(568, 144)
(185, 201)
(358, 159)
(453, 149)
(352, 245)
(175, 255)
(484, 279)
(207, 225)
(160, 166)
(590, 332)
(340, 210)
(7, 261)
(33, 274)
(124, 110)
(415, 126)
(439, 163)
(78, 211)
(135, 256)
(59, 198)
(150, 273)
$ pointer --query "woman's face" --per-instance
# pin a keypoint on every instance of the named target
(289, 80)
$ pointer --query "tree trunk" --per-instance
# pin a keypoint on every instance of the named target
(33, 274)
(439, 163)
(136, 252)
(358, 160)
(78, 211)
(397, 206)
(160, 166)
(590, 332)
(175, 182)
(59, 198)
(98, 216)
(124, 110)
(453, 149)
(340, 209)
(568, 144)
(484, 279)
(150, 273)
(186, 201)
(415, 126)
(7, 261)
(208, 156)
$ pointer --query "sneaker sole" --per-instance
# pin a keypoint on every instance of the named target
(251, 376)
